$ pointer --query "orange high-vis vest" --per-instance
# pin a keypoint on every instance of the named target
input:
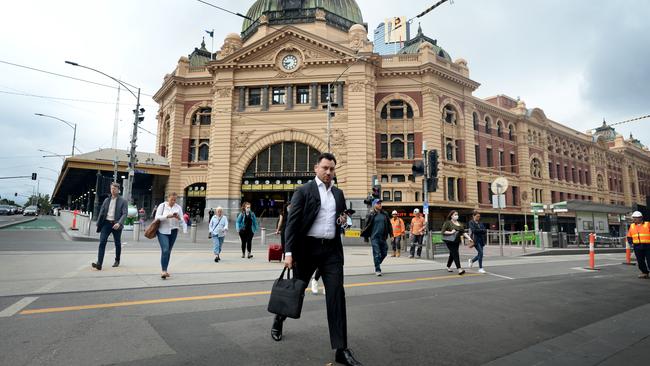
(398, 227)
(640, 234)
(417, 225)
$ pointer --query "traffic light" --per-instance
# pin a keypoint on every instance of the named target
(418, 168)
(433, 163)
(33, 176)
(432, 184)
(376, 192)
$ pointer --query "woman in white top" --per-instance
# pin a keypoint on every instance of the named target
(170, 216)
(218, 229)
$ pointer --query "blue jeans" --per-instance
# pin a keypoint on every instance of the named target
(642, 252)
(166, 244)
(479, 256)
(379, 252)
(107, 229)
(218, 242)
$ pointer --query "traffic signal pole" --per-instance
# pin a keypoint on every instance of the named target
(425, 196)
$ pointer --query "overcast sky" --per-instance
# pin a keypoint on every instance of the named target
(578, 60)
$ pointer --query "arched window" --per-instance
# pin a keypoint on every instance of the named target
(499, 129)
(397, 147)
(284, 158)
(600, 182)
(202, 117)
(204, 150)
(450, 115)
(449, 151)
(488, 125)
(475, 121)
(511, 133)
(397, 109)
(536, 168)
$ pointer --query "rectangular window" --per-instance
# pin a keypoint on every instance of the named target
(451, 189)
(410, 146)
(479, 189)
(398, 179)
(502, 160)
(477, 155)
(490, 196)
(573, 175)
(559, 171)
(513, 164)
(279, 96)
(515, 196)
(204, 150)
(254, 96)
(386, 196)
(323, 93)
(550, 171)
(490, 163)
(397, 196)
(566, 173)
(384, 146)
(302, 94)
(397, 146)
(397, 113)
(192, 152)
(384, 179)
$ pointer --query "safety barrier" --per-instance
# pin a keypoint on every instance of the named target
(82, 221)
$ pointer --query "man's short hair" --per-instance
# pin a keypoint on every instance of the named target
(115, 184)
(328, 156)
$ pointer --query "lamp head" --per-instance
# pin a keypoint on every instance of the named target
(72, 63)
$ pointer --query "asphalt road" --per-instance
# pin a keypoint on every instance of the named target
(541, 313)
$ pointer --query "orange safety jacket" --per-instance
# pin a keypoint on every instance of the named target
(417, 225)
(640, 234)
(398, 227)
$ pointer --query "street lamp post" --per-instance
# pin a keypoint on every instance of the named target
(71, 125)
(138, 113)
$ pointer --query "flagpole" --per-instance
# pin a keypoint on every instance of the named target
(212, 50)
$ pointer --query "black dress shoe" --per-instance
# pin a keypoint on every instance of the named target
(276, 330)
(345, 357)
(96, 266)
(116, 264)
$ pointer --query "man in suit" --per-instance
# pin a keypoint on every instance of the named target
(313, 241)
(111, 220)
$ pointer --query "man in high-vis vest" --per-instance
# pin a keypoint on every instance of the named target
(399, 229)
(639, 237)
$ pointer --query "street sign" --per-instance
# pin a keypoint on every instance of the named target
(560, 207)
(500, 185)
(498, 201)
(425, 208)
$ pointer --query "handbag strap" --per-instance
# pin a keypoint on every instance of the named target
(287, 271)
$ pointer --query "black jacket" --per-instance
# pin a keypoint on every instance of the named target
(479, 233)
(305, 205)
(370, 219)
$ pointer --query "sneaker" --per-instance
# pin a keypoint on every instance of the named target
(481, 270)
(644, 275)
(243, 256)
(449, 269)
(461, 272)
(470, 262)
(411, 257)
(314, 287)
(378, 274)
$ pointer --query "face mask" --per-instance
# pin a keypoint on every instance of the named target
(455, 217)
(248, 210)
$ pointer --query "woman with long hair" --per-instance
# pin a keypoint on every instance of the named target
(452, 232)
(246, 225)
(170, 215)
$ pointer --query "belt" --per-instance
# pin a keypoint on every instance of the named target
(320, 241)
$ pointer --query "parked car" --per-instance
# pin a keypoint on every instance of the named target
(14, 210)
(5, 210)
(19, 210)
(31, 211)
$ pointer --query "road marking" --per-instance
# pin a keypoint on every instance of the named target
(581, 269)
(221, 296)
(15, 308)
(500, 276)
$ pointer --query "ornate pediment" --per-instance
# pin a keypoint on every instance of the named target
(268, 51)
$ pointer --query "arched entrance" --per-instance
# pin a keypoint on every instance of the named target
(195, 200)
(273, 175)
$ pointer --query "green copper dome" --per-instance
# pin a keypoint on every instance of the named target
(413, 46)
(340, 13)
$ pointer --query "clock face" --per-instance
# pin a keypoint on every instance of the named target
(290, 62)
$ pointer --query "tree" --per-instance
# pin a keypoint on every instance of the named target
(5, 201)
(43, 203)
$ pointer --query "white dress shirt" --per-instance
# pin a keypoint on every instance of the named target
(169, 224)
(324, 226)
(110, 215)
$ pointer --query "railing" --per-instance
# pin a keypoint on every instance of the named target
(198, 68)
(401, 58)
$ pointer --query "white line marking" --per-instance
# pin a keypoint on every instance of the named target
(496, 275)
(15, 308)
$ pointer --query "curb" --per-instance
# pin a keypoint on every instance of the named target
(18, 223)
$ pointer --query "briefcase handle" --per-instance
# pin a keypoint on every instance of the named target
(288, 272)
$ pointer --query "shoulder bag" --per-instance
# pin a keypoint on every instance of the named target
(152, 229)
(287, 296)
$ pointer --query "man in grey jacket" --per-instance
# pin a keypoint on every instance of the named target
(111, 220)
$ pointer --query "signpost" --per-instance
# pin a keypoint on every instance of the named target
(499, 188)
(537, 208)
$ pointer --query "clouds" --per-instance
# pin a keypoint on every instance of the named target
(578, 60)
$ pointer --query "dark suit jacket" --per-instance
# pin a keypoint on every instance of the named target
(305, 205)
(121, 211)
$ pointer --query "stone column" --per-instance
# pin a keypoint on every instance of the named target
(289, 97)
(265, 98)
(314, 96)
(339, 94)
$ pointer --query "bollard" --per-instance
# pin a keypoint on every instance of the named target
(74, 220)
(592, 252)
(136, 231)
(263, 237)
(193, 232)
